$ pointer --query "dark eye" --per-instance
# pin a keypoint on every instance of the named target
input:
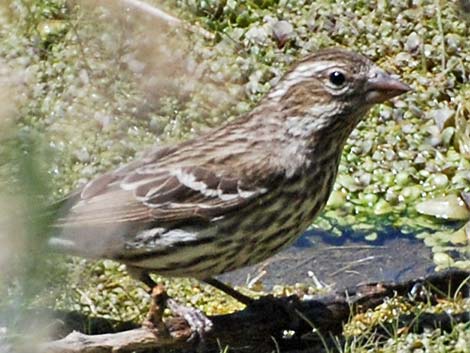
(337, 78)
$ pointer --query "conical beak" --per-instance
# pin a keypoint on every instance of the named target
(381, 87)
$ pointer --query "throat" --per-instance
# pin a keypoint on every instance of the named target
(316, 120)
(312, 155)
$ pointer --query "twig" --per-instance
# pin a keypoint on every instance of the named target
(354, 263)
(165, 17)
(313, 257)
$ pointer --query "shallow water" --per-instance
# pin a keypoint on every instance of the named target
(342, 262)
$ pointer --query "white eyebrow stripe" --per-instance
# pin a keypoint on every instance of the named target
(314, 67)
(291, 80)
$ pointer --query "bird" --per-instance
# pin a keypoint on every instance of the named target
(234, 195)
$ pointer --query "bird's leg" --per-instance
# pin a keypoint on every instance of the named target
(230, 291)
(154, 317)
(142, 276)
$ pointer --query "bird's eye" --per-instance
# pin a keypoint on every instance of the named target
(337, 78)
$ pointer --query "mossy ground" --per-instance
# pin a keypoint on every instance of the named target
(94, 86)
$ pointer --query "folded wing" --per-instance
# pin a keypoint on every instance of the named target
(112, 209)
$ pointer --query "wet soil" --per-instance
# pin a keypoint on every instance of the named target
(341, 262)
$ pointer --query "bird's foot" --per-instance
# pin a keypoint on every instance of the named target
(199, 323)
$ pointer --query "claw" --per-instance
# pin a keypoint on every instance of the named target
(196, 319)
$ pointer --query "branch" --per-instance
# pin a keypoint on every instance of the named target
(132, 340)
(267, 318)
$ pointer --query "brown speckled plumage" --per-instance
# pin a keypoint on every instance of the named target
(237, 194)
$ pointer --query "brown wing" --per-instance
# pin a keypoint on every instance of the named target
(161, 190)
(111, 210)
(152, 194)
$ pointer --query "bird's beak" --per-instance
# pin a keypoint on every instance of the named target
(381, 87)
